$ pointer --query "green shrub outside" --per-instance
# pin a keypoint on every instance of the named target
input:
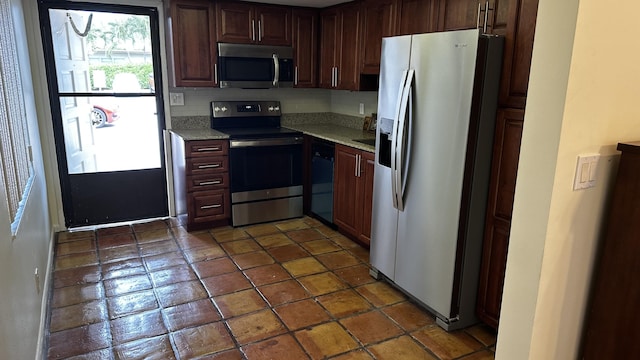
(141, 71)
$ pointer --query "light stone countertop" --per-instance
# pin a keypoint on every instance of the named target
(337, 134)
(200, 134)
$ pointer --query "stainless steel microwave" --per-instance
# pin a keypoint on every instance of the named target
(255, 66)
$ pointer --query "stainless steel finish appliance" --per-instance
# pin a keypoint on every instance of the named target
(255, 66)
(265, 161)
(436, 118)
(322, 161)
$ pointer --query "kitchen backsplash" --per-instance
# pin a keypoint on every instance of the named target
(204, 122)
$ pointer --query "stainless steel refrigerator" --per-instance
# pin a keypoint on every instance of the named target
(436, 117)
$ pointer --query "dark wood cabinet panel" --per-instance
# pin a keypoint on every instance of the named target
(353, 192)
(417, 17)
(504, 168)
(612, 316)
(458, 14)
(241, 22)
(379, 20)
(193, 43)
(339, 47)
(305, 43)
(329, 47)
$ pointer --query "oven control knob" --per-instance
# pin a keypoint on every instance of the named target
(224, 108)
(277, 108)
(216, 109)
(270, 108)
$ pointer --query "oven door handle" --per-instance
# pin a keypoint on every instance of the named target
(276, 69)
(266, 142)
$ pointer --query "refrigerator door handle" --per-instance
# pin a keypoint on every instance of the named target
(394, 137)
(401, 141)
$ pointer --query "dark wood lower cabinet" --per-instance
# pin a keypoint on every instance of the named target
(612, 316)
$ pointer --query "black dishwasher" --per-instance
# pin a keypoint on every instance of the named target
(322, 179)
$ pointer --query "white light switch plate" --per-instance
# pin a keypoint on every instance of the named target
(176, 99)
(586, 171)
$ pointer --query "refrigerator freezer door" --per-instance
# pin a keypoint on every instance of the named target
(395, 60)
(427, 229)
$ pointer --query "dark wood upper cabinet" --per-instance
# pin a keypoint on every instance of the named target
(416, 17)
(305, 43)
(379, 20)
(340, 47)
(459, 14)
(249, 23)
(193, 43)
(329, 47)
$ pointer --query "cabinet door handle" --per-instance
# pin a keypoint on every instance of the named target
(253, 30)
(210, 149)
(295, 76)
(214, 182)
(478, 17)
(259, 30)
(211, 166)
(486, 16)
(206, 207)
(215, 73)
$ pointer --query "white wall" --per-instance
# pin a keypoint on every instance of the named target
(582, 99)
(23, 296)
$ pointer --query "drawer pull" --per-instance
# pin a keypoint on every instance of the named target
(211, 166)
(214, 182)
(206, 207)
(210, 149)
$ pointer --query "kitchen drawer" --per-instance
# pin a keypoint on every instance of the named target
(207, 182)
(209, 205)
(202, 148)
(207, 165)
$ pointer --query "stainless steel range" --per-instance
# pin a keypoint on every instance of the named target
(265, 161)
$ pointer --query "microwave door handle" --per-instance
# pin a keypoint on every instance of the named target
(276, 65)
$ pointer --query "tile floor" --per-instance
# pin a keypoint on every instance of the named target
(286, 290)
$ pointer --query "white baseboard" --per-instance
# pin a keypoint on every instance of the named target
(41, 351)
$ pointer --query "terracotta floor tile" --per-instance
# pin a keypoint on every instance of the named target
(154, 235)
(328, 232)
(76, 276)
(124, 285)
(78, 315)
(202, 340)
(409, 316)
(261, 230)
(337, 259)
(321, 246)
(256, 326)
(274, 240)
(149, 226)
(85, 340)
(115, 240)
(355, 275)
(233, 354)
(95, 355)
(180, 293)
(226, 283)
(371, 327)
(119, 253)
(157, 262)
(225, 234)
(208, 252)
(252, 259)
(304, 266)
(137, 326)
(380, 294)
(400, 348)
(267, 274)
(191, 314)
(313, 222)
(483, 333)
(288, 225)
(239, 303)
(111, 230)
(172, 275)
(326, 340)
(282, 347)
(302, 314)
(214, 267)
(156, 348)
(323, 283)
(76, 294)
(354, 355)
(66, 236)
(191, 240)
(288, 252)
(344, 303)
(480, 355)
(447, 345)
(73, 247)
(123, 268)
(158, 247)
(343, 241)
(283, 292)
(76, 260)
(241, 246)
(305, 235)
(131, 303)
(361, 253)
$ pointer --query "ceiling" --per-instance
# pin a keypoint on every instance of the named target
(308, 3)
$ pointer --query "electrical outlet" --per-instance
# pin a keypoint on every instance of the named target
(361, 109)
(176, 99)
